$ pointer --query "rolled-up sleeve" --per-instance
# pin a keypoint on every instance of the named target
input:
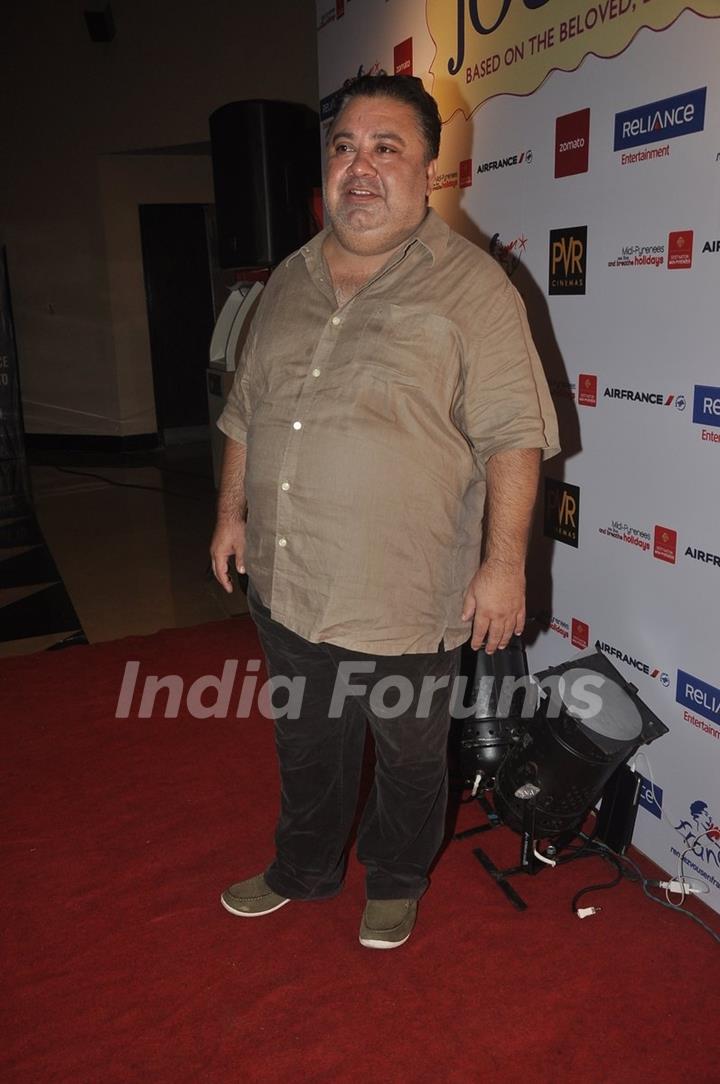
(506, 399)
(235, 418)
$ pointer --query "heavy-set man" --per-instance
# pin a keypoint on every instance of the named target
(388, 396)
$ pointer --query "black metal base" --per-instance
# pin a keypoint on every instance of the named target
(529, 863)
(500, 877)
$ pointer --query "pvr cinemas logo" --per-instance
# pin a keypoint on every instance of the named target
(568, 260)
(562, 512)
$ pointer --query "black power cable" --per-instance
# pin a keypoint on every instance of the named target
(620, 861)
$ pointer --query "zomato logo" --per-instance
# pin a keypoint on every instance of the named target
(572, 143)
(403, 57)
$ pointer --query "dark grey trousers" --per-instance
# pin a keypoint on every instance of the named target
(320, 760)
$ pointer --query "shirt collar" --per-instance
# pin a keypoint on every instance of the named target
(432, 234)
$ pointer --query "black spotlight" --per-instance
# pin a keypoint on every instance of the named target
(548, 747)
(502, 697)
(100, 24)
(588, 722)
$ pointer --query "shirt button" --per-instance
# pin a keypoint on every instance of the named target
(282, 542)
(336, 320)
(297, 425)
(316, 372)
(285, 486)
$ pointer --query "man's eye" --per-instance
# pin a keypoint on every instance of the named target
(342, 148)
(383, 149)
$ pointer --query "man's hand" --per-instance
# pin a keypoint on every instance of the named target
(227, 541)
(495, 600)
(229, 537)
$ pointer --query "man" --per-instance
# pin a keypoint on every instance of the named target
(389, 383)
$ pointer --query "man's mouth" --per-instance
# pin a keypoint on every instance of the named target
(360, 193)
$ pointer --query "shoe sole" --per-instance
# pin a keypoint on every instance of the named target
(369, 942)
(252, 914)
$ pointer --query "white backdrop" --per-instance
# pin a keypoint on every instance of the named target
(631, 557)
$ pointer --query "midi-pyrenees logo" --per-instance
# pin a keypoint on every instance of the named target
(568, 260)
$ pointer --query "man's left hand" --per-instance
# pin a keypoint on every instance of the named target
(495, 600)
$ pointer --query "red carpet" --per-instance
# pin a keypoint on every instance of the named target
(120, 965)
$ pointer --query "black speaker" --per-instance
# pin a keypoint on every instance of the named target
(266, 162)
(100, 24)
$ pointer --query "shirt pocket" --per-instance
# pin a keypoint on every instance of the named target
(404, 344)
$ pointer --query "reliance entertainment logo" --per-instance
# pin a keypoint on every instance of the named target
(664, 119)
(706, 405)
(698, 695)
(706, 411)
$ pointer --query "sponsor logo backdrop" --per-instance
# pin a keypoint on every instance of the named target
(574, 169)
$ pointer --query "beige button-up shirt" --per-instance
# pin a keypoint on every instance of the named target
(368, 428)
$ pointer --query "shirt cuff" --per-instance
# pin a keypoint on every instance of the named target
(232, 428)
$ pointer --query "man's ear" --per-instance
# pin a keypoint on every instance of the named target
(430, 173)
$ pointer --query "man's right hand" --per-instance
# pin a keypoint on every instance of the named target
(227, 541)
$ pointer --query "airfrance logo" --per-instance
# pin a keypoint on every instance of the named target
(638, 664)
(656, 398)
(711, 560)
(509, 160)
(698, 695)
(666, 119)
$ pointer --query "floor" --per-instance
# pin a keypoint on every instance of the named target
(109, 546)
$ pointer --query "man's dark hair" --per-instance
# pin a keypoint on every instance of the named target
(403, 88)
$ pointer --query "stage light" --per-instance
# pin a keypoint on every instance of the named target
(502, 695)
(546, 748)
(588, 722)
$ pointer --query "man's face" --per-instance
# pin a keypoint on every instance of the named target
(377, 176)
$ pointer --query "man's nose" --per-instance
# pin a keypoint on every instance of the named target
(362, 163)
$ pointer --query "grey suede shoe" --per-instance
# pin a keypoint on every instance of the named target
(387, 924)
(251, 898)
